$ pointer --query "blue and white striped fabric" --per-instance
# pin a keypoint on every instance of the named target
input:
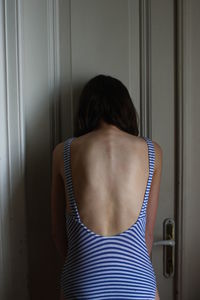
(106, 267)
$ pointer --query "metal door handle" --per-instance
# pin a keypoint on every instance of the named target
(164, 243)
(168, 244)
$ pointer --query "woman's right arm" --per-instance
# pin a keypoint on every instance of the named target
(153, 198)
(157, 295)
(152, 206)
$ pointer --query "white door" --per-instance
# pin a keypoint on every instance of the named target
(134, 41)
(49, 49)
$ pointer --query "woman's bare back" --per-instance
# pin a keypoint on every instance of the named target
(110, 169)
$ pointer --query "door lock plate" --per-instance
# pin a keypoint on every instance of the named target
(168, 251)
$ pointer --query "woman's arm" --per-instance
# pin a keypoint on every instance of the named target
(153, 198)
(153, 202)
(58, 205)
(157, 295)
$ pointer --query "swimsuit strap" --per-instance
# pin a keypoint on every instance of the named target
(151, 155)
(68, 178)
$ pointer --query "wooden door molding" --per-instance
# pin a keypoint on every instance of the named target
(145, 68)
(178, 67)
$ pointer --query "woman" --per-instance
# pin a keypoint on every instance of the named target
(105, 190)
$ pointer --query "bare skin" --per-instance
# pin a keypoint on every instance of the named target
(109, 173)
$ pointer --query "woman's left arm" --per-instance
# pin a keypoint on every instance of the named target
(58, 205)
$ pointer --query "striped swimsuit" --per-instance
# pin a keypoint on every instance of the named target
(106, 267)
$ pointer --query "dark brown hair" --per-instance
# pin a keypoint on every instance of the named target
(107, 98)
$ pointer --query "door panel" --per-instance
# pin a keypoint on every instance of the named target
(163, 127)
(106, 40)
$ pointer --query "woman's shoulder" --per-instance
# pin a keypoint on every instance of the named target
(157, 150)
(57, 154)
(158, 155)
(156, 145)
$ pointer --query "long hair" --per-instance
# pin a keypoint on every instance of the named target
(105, 98)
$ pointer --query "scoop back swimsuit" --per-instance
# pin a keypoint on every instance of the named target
(106, 267)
